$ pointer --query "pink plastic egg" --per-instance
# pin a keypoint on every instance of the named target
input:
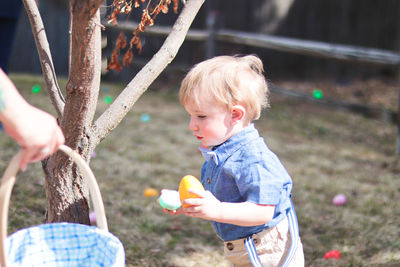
(339, 200)
(92, 218)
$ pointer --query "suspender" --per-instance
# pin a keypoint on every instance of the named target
(251, 250)
(294, 236)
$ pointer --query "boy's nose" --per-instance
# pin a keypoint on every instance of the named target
(192, 125)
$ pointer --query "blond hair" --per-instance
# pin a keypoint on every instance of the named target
(231, 80)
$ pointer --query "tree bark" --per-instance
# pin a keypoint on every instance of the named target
(67, 194)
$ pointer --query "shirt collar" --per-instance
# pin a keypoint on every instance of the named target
(224, 150)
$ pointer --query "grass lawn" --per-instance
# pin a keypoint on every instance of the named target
(326, 152)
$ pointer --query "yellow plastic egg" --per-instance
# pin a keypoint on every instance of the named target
(189, 182)
(150, 192)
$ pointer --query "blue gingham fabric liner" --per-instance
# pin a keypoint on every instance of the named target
(64, 244)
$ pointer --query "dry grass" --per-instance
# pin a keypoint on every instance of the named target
(326, 153)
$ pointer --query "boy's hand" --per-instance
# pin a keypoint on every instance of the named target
(207, 206)
(174, 212)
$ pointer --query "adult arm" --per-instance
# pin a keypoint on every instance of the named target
(36, 131)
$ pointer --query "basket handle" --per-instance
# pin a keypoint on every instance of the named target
(8, 181)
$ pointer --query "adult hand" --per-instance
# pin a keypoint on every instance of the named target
(36, 131)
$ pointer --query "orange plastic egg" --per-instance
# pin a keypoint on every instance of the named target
(189, 182)
(150, 192)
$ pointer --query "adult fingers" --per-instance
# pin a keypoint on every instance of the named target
(29, 155)
(60, 139)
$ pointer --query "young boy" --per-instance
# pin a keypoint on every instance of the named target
(248, 191)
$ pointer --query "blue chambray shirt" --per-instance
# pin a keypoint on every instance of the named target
(247, 171)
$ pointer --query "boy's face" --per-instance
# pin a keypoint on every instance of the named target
(210, 121)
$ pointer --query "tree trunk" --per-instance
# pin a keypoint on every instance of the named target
(67, 195)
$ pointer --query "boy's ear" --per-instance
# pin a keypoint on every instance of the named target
(238, 112)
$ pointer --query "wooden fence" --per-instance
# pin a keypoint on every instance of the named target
(304, 47)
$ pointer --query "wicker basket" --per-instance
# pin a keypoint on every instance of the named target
(58, 244)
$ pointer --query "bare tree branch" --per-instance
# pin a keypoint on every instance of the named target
(139, 84)
(45, 57)
(97, 3)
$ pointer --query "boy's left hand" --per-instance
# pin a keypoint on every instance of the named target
(207, 206)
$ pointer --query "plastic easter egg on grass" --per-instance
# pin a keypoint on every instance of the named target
(189, 182)
(108, 99)
(332, 254)
(339, 200)
(318, 94)
(36, 89)
(145, 117)
(92, 218)
(150, 192)
(170, 200)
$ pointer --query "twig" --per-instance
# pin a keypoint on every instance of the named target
(45, 57)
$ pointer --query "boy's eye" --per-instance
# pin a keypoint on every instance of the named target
(201, 116)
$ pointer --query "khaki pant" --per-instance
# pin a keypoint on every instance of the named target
(272, 247)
